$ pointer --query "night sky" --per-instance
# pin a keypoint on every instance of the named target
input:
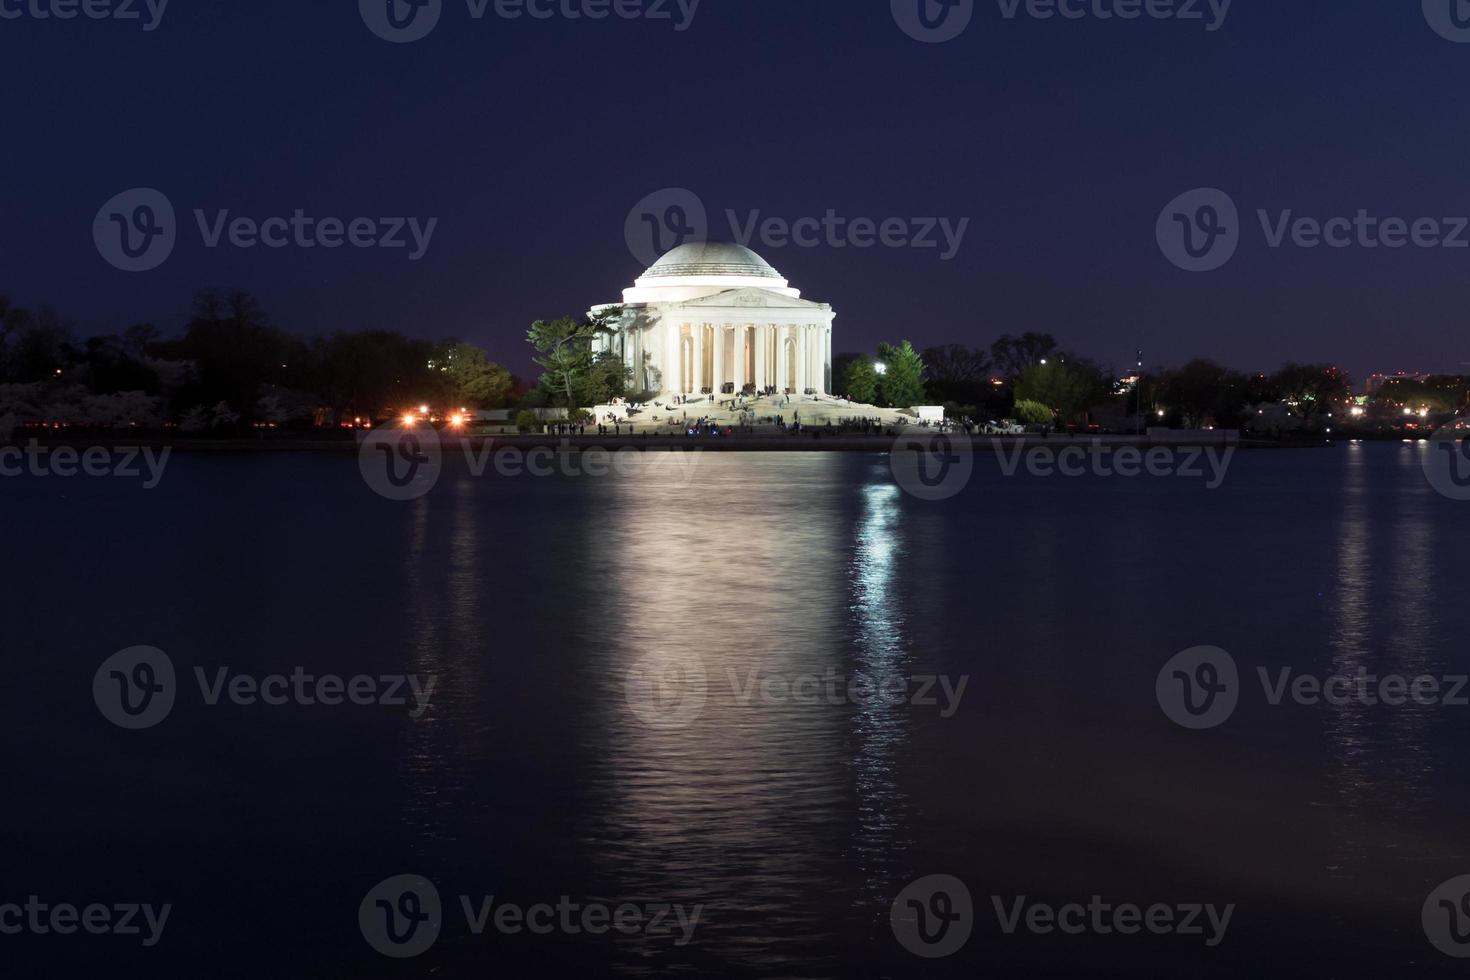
(530, 141)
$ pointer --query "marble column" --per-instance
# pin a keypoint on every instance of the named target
(699, 358)
(829, 383)
(719, 366)
(740, 333)
(759, 341)
(806, 360)
(783, 361)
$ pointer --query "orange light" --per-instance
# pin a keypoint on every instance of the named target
(409, 419)
(456, 420)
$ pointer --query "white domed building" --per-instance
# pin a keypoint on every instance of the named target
(715, 318)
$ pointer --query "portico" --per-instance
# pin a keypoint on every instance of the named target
(715, 318)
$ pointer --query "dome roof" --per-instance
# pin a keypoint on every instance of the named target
(705, 259)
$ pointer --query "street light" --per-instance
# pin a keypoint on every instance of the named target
(880, 367)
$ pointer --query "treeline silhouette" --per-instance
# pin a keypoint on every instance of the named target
(231, 369)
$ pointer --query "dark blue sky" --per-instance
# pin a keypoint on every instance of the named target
(531, 141)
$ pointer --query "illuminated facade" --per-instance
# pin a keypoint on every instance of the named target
(714, 317)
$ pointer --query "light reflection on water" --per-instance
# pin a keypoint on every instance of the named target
(880, 725)
(793, 824)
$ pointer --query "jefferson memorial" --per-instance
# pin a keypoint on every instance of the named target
(715, 318)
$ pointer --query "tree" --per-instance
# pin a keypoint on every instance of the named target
(1066, 385)
(470, 379)
(1203, 389)
(39, 347)
(1312, 390)
(607, 378)
(860, 381)
(565, 348)
(374, 373)
(957, 374)
(1033, 413)
(1438, 393)
(901, 382)
(138, 338)
(239, 355)
(1013, 355)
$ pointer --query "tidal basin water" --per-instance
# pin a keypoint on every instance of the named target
(792, 804)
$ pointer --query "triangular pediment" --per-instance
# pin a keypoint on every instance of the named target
(751, 297)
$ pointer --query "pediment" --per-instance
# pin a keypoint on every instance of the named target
(751, 297)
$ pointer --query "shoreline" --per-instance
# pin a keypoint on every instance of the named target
(812, 442)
